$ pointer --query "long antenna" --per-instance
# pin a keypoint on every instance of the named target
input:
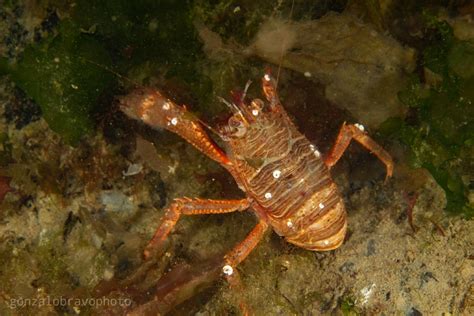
(282, 47)
(234, 108)
(247, 86)
(231, 106)
(110, 70)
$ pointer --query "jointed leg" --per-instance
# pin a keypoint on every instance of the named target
(356, 132)
(189, 207)
(242, 250)
(237, 255)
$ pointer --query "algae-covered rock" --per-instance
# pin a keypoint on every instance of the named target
(60, 75)
(96, 43)
(362, 69)
(440, 134)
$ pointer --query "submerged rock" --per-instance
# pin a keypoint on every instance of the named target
(362, 69)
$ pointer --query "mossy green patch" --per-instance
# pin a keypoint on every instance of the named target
(59, 76)
(461, 59)
(67, 73)
(440, 130)
(348, 307)
(148, 38)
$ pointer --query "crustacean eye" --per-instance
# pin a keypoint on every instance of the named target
(236, 126)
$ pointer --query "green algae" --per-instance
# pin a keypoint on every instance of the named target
(73, 74)
(439, 130)
(67, 74)
(57, 74)
(348, 307)
(143, 30)
(149, 39)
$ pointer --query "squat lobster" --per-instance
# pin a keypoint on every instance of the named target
(286, 180)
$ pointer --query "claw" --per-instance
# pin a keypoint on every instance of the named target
(152, 108)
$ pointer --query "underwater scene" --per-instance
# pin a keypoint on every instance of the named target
(236, 157)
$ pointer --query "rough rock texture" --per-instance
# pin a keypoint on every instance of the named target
(362, 69)
(383, 267)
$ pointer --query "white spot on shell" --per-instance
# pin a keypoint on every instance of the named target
(166, 106)
(307, 74)
(228, 270)
(326, 242)
(174, 121)
(289, 224)
(321, 205)
(255, 112)
(267, 77)
(268, 195)
(360, 127)
(276, 174)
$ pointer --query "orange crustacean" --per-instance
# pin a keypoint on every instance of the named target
(285, 177)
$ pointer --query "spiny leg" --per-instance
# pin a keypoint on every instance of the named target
(237, 255)
(188, 206)
(356, 132)
(243, 249)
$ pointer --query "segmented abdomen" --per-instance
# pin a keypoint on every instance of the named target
(285, 175)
